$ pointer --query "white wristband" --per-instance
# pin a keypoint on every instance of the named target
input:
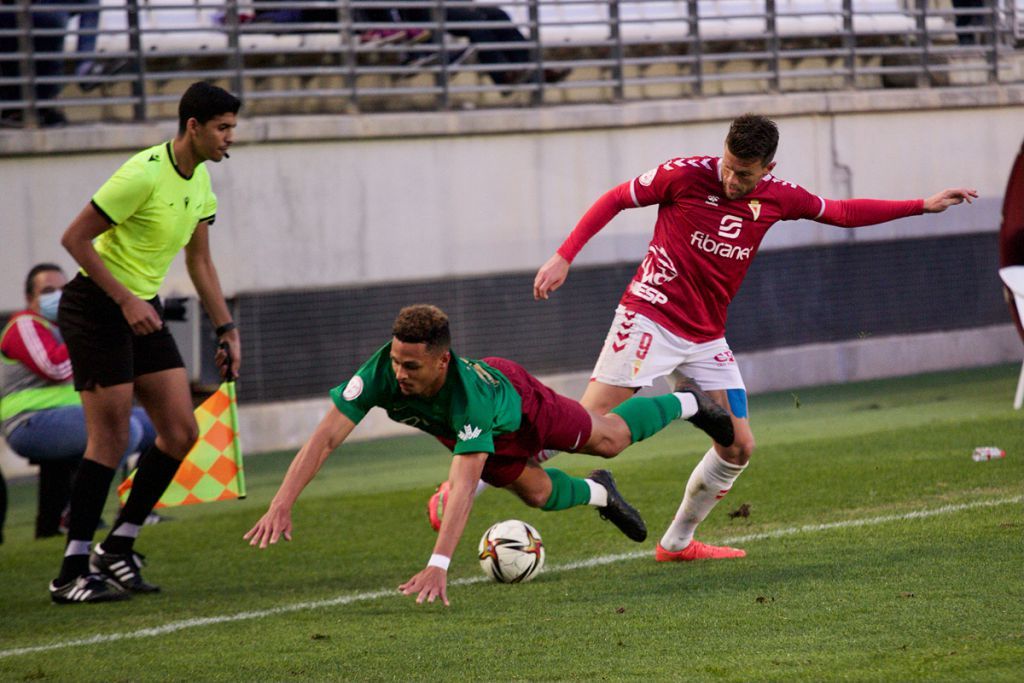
(440, 561)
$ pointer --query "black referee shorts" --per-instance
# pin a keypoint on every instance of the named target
(103, 349)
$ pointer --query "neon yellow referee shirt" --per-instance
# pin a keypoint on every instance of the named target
(154, 210)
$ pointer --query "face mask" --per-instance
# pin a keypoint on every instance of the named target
(48, 304)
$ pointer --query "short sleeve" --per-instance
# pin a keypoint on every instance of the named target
(125, 191)
(796, 202)
(661, 184)
(473, 438)
(209, 208)
(355, 397)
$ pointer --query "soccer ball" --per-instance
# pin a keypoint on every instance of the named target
(511, 552)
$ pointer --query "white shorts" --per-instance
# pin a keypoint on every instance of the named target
(638, 351)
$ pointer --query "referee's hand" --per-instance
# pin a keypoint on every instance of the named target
(141, 316)
(229, 355)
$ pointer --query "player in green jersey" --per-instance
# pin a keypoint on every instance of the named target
(158, 203)
(493, 415)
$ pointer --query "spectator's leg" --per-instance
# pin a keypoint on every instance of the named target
(85, 45)
(482, 36)
(968, 20)
(9, 67)
(55, 439)
(55, 477)
(142, 433)
(56, 21)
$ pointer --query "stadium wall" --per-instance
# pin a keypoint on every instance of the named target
(328, 224)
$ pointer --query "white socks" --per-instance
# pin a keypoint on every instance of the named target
(77, 548)
(711, 480)
(688, 403)
(127, 530)
(598, 494)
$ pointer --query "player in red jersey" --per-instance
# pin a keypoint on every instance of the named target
(713, 213)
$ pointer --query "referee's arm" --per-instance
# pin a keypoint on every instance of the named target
(203, 273)
(77, 239)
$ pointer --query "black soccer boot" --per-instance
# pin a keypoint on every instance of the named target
(711, 418)
(121, 570)
(87, 588)
(618, 511)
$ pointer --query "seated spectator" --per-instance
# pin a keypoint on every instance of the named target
(43, 19)
(501, 58)
(41, 415)
(968, 20)
(390, 15)
(275, 11)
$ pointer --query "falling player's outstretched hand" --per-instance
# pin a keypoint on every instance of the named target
(938, 203)
(277, 522)
(550, 277)
(428, 585)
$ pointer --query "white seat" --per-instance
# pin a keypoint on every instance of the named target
(114, 24)
(1013, 278)
(173, 25)
(731, 18)
(164, 25)
(809, 17)
(648, 21)
(563, 22)
(881, 16)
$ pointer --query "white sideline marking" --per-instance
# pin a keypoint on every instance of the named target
(175, 626)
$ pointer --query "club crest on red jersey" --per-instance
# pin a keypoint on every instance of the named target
(755, 208)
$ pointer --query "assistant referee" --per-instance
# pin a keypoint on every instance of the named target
(125, 239)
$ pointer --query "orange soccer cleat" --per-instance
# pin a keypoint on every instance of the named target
(697, 551)
(436, 505)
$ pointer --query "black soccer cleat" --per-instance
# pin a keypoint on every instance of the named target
(87, 588)
(121, 570)
(711, 418)
(618, 511)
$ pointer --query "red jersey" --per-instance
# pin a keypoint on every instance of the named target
(704, 242)
(28, 338)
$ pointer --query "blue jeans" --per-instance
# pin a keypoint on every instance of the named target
(56, 440)
(88, 20)
(41, 19)
(59, 434)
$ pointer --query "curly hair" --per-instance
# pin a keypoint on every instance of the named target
(423, 324)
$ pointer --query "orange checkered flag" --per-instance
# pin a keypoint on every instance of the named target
(212, 470)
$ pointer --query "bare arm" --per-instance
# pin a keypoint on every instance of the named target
(77, 239)
(203, 273)
(431, 583)
(277, 521)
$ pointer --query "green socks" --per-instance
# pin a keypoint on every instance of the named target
(644, 416)
(566, 492)
(647, 416)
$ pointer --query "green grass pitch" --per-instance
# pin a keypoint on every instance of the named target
(877, 551)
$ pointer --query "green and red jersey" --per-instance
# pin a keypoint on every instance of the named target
(476, 403)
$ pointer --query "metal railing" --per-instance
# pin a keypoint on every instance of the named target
(129, 59)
